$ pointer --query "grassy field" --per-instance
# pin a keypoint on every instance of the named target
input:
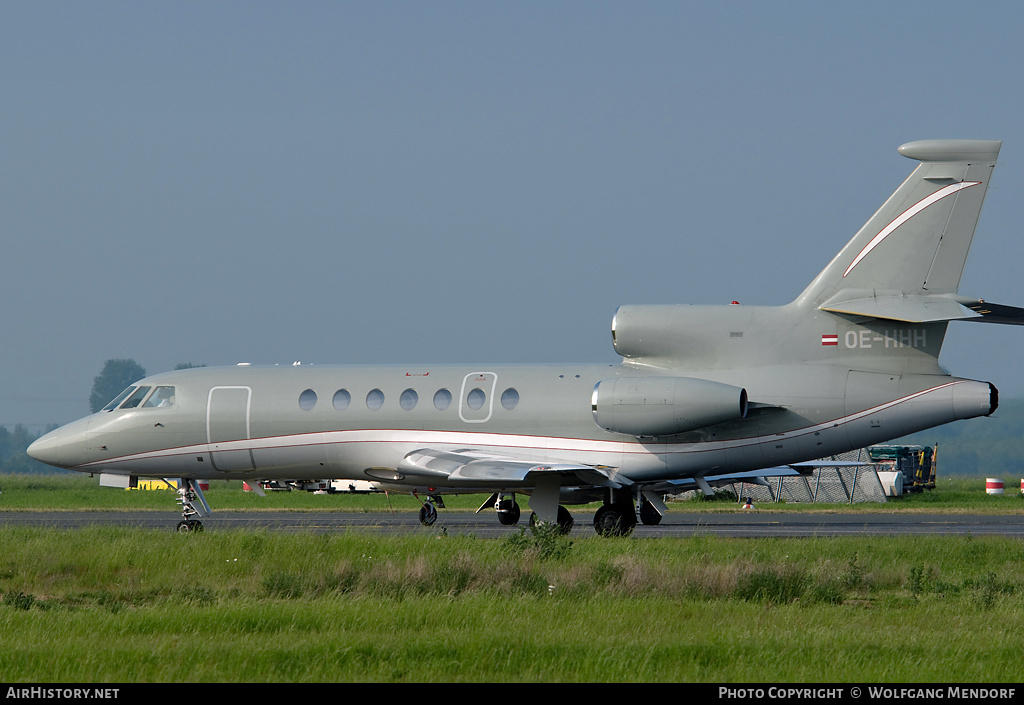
(130, 605)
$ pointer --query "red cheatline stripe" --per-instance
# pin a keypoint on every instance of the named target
(907, 215)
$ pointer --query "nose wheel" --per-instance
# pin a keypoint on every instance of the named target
(189, 526)
(193, 505)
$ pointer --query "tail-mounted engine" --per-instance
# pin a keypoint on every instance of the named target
(663, 406)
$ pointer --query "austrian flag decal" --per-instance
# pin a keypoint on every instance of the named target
(830, 340)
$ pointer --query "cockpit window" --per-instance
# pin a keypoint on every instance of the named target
(161, 396)
(136, 398)
(118, 399)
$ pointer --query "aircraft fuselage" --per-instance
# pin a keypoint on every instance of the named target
(303, 422)
(701, 392)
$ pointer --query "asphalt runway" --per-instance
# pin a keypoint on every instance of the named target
(485, 525)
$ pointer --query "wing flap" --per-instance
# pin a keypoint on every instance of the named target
(757, 477)
(470, 466)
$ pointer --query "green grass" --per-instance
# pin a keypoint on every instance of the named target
(125, 605)
(524, 640)
(102, 604)
(75, 492)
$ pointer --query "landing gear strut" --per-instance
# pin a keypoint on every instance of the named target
(193, 504)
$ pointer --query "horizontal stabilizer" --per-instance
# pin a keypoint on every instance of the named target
(996, 313)
(899, 307)
(923, 308)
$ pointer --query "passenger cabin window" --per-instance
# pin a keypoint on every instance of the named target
(476, 398)
(136, 398)
(442, 399)
(408, 399)
(307, 400)
(510, 398)
(375, 399)
(342, 399)
(161, 397)
(118, 399)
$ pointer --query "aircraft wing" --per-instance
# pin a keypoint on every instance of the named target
(807, 467)
(470, 467)
(756, 477)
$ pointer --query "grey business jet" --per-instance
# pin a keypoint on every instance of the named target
(702, 392)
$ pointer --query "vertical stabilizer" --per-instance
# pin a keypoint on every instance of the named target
(916, 244)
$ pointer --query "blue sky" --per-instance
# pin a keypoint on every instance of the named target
(387, 182)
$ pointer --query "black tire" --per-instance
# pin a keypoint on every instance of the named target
(565, 521)
(649, 515)
(613, 520)
(428, 514)
(510, 517)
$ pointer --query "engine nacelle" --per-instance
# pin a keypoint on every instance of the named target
(696, 337)
(664, 406)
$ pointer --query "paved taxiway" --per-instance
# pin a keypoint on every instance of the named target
(485, 525)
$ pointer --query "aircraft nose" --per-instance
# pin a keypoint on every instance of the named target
(63, 448)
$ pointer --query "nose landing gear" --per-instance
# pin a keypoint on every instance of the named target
(193, 504)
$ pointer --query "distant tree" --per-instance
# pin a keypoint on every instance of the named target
(114, 379)
(13, 458)
(186, 366)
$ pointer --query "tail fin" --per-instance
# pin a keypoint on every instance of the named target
(906, 262)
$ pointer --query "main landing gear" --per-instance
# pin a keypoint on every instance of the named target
(564, 522)
(193, 504)
(428, 510)
(509, 512)
(615, 520)
(506, 507)
(620, 514)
